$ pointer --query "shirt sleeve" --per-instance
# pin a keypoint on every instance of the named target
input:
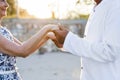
(107, 50)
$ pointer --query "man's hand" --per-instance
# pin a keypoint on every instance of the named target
(58, 36)
(61, 34)
(52, 36)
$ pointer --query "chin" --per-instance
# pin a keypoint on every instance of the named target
(4, 15)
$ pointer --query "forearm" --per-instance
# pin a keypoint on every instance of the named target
(15, 49)
(26, 48)
(35, 41)
(40, 44)
(43, 41)
(98, 51)
(17, 41)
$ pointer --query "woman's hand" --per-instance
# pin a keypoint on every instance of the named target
(52, 27)
(52, 36)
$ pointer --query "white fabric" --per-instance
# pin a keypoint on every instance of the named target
(100, 49)
(7, 72)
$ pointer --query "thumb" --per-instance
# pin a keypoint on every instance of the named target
(56, 32)
(57, 43)
(61, 27)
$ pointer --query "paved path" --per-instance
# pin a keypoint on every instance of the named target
(49, 66)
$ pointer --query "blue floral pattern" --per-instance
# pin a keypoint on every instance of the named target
(7, 62)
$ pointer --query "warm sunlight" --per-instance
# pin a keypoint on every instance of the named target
(44, 8)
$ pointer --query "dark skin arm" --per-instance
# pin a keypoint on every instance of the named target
(52, 36)
(59, 36)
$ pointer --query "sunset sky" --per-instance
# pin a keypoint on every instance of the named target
(43, 8)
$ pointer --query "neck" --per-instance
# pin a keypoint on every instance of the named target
(97, 1)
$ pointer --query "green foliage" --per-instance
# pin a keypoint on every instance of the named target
(24, 14)
(87, 2)
(12, 11)
(76, 15)
(83, 16)
(12, 8)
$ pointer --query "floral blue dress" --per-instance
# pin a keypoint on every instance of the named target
(7, 62)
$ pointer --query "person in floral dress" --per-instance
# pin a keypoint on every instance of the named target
(10, 47)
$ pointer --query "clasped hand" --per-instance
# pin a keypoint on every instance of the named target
(58, 35)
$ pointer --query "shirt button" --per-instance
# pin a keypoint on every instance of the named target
(81, 67)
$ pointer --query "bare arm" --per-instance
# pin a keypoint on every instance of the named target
(17, 41)
(37, 46)
(27, 47)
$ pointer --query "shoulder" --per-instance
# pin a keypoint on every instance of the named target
(111, 4)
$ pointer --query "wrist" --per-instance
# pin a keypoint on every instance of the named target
(52, 27)
(47, 29)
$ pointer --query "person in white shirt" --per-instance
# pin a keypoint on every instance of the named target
(100, 48)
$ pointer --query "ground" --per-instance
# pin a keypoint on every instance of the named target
(49, 66)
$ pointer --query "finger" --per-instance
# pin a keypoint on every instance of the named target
(57, 44)
(56, 32)
(61, 27)
(55, 27)
(51, 35)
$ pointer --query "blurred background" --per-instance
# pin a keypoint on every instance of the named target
(25, 17)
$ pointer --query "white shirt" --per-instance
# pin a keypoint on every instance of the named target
(100, 49)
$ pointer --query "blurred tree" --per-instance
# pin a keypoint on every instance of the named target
(78, 2)
(24, 14)
(15, 11)
(87, 2)
(75, 13)
(12, 8)
(52, 7)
